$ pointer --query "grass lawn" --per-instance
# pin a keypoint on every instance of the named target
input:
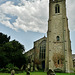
(37, 73)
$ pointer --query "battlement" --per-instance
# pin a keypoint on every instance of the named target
(53, 1)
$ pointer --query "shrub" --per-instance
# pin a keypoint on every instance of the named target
(8, 68)
(73, 70)
(16, 68)
(2, 70)
(11, 66)
(58, 70)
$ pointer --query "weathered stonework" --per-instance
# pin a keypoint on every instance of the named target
(58, 40)
(36, 56)
(54, 52)
(73, 58)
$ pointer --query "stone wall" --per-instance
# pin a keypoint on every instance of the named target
(34, 54)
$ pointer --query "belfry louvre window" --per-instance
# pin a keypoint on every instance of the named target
(57, 8)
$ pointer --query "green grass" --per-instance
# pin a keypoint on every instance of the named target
(37, 73)
(65, 73)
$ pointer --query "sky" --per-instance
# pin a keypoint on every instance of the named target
(27, 20)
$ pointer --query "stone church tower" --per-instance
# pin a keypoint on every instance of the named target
(58, 50)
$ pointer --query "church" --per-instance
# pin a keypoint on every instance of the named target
(54, 51)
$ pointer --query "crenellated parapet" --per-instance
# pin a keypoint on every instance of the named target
(56, 1)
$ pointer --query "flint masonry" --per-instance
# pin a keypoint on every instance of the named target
(54, 51)
(58, 48)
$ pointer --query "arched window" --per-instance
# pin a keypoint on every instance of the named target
(42, 50)
(40, 53)
(58, 38)
(57, 8)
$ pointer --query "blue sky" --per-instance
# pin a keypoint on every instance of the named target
(27, 20)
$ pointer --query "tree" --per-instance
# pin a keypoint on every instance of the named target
(4, 38)
(11, 52)
(14, 53)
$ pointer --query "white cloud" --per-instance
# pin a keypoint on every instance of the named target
(71, 14)
(32, 15)
(5, 20)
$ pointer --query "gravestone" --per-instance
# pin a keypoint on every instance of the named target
(12, 72)
(50, 72)
(28, 72)
(36, 68)
(31, 69)
(28, 65)
(28, 69)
